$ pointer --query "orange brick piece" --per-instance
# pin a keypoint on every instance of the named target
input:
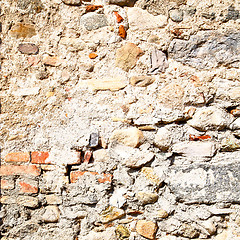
(7, 170)
(7, 184)
(27, 188)
(40, 157)
(122, 32)
(93, 55)
(17, 157)
(118, 17)
(105, 178)
(92, 8)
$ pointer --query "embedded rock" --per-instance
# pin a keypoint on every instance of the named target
(210, 118)
(93, 21)
(207, 50)
(127, 56)
(51, 214)
(205, 183)
(146, 229)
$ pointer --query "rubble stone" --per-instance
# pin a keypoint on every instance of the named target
(146, 228)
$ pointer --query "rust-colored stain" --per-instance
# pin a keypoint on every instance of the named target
(196, 138)
(122, 32)
(92, 8)
(118, 17)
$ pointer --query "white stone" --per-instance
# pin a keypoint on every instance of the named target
(195, 149)
(140, 19)
(51, 214)
(118, 199)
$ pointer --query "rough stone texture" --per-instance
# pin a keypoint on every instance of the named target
(146, 229)
(93, 21)
(207, 50)
(210, 118)
(127, 56)
(131, 137)
(209, 183)
(167, 69)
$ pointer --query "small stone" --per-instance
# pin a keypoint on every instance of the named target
(210, 227)
(92, 55)
(127, 3)
(146, 229)
(195, 149)
(101, 155)
(150, 175)
(72, 2)
(210, 118)
(22, 30)
(163, 139)
(111, 213)
(235, 125)
(140, 19)
(108, 83)
(28, 201)
(230, 144)
(176, 15)
(51, 61)
(93, 21)
(141, 81)
(147, 197)
(139, 159)
(51, 214)
(187, 231)
(49, 94)
(122, 232)
(53, 199)
(162, 213)
(28, 48)
(122, 32)
(127, 56)
(94, 139)
(159, 62)
(131, 137)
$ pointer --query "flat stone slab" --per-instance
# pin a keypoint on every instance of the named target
(205, 183)
(207, 50)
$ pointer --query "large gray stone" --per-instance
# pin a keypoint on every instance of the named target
(205, 183)
(93, 21)
(207, 50)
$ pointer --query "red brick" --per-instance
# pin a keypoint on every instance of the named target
(74, 176)
(7, 184)
(105, 178)
(27, 187)
(40, 157)
(19, 170)
(87, 156)
(17, 157)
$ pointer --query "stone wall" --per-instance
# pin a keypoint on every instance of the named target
(120, 119)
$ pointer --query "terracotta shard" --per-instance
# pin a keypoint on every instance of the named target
(118, 17)
(122, 32)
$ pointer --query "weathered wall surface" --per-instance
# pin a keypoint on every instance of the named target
(120, 119)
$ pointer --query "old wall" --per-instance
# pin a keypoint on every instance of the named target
(120, 119)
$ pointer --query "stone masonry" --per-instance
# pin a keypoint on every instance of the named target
(120, 119)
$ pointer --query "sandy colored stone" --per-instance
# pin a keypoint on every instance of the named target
(127, 56)
(172, 95)
(101, 155)
(51, 61)
(140, 19)
(51, 214)
(146, 229)
(111, 213)
(108, 83)
(28, 201)
(147, 197)
(222, 236)
(150, 175)
(72, 2)
(53, 199)
(131, 137)
(22, 30)
(141, 81)
(162, 213)
(234, 93)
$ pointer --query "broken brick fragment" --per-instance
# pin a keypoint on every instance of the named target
(122, 32)
(196, 138)
(93, 55)
(40, 157)
(118, 17)
(87, 157)
(92, 8)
